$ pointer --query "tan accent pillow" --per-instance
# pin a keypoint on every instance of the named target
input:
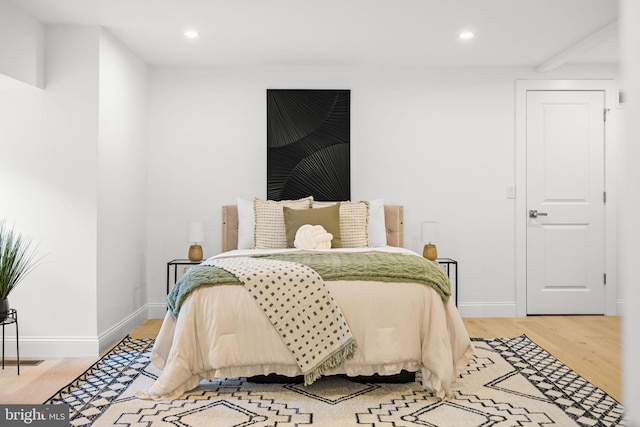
(270, 232)
(354, 224)
(328, 217)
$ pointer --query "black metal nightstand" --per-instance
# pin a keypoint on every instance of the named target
(12, 317)
(451, 264)
(175, 263)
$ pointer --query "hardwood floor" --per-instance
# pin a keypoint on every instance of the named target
(35, 384)
(591, 345)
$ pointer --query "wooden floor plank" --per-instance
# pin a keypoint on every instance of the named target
(590, 345)
(35, 384)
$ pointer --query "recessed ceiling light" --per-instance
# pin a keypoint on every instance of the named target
(466, 35)
(191, 34)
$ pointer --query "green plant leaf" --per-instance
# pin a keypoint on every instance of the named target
(17, 258)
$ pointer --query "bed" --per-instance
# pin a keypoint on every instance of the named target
(393, 324)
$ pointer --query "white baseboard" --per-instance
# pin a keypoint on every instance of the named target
(66, 346)
(487, 309)
(620, 307)
(123, 328)
(505, 309)
(120, 330)
(52, 347)
(156, 310)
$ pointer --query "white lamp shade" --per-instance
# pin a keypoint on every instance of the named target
(195, 232)
(429, 232)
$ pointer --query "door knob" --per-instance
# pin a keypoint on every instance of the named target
(535, 214)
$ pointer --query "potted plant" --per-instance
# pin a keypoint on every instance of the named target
(17, 259)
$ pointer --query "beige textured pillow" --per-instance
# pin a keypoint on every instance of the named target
(354, 224)
(328, 217)
(270, 232)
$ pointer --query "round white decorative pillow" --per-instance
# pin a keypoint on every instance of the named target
(312, 237)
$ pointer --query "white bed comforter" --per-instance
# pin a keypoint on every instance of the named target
(221, 332)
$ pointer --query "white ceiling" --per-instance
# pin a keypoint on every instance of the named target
(351, 32)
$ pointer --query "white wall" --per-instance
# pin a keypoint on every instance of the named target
(48, 187)
(73, 174)
(439, 141)
(122, 191)
(21, 47)
(629, 181)
(75, 171)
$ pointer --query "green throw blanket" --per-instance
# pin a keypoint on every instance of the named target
(382, 267)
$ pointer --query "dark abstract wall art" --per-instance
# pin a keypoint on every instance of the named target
(308, 136)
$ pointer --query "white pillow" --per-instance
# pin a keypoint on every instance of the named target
(246, 224)
(377, 224)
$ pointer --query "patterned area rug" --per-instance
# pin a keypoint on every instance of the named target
(510, 382)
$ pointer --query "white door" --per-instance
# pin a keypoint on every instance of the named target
(565, 202)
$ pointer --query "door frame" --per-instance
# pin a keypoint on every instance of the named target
(609, 87)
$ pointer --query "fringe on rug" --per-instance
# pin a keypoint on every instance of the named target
(335, 359)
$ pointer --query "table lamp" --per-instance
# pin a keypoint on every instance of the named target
(195, 235)
(429, 234)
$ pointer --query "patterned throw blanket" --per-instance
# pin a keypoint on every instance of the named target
(300, 307)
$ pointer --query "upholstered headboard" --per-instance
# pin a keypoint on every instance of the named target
(393, 215)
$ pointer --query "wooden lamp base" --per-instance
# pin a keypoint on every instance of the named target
(430, 252)
(195, 253)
